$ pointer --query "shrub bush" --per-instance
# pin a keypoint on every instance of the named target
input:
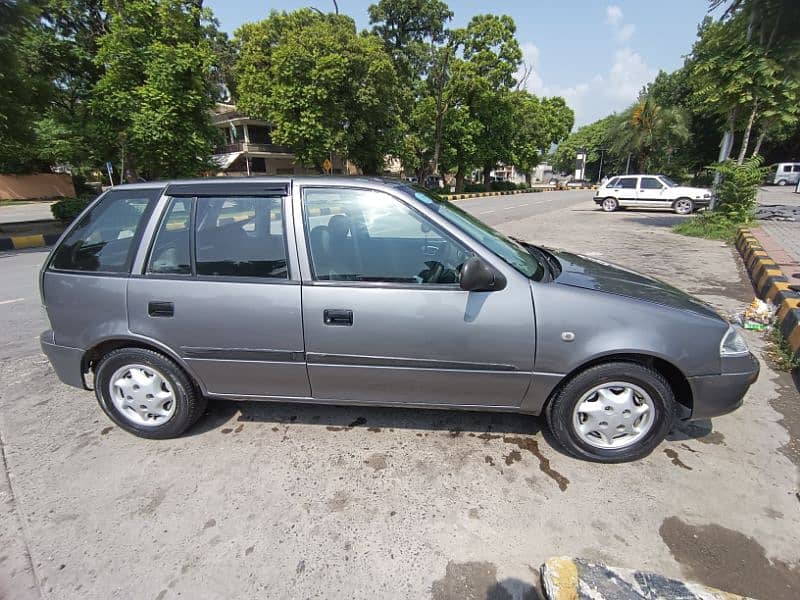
(67, 209)
(474, 187)
(502, 186)
(738, 188)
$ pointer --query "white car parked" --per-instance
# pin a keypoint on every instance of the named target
(650, 191)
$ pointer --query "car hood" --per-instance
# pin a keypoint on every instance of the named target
(592, 274)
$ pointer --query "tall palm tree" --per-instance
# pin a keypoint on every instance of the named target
(649, 130)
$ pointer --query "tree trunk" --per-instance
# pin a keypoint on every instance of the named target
(528, 179)
(759, 141)
(748, 129)
(460, 178)
(487, 174)
(726, 151)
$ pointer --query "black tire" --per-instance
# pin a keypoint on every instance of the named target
(782, 182)
(189, 403)
(559, 411)
(610, 204)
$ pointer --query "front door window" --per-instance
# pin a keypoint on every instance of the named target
(369, 236)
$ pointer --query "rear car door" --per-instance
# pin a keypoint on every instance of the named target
(219, 289)
(625, 190)
(385, 318)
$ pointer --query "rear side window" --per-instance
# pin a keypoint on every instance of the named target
(629, 183)
(651, 183)
(797, 169)
(240, 237)
(787, 168)
(106, 238)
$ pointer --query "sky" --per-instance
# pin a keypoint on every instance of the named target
(595, 54)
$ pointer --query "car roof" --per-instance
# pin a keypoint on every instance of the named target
(357, 181)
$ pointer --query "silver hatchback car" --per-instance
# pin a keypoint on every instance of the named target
(370, 292)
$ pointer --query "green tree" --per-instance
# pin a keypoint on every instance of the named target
(323, 87)
(153, 101)
(538, 125)
(596, 139)
(24, 85)
(650, 131)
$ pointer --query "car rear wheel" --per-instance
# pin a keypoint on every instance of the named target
(683, 206)
(147, 394)
(610, 204)
(613, 412)
(782, 182)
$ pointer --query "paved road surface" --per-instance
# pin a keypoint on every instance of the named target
(495, 210)
(28, 211)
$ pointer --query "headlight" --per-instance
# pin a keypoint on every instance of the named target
(733, 344)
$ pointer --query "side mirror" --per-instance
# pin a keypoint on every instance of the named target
(479, 276)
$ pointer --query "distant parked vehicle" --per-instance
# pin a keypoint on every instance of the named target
(784, 173)
(650, 191)
(578, 183)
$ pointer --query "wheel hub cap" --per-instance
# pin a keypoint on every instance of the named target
(613, 415)
(142, 395)
(684, 206)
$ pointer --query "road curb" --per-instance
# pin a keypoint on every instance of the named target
(565, 578)
(22, 242)
(533, 190)
(770, 284)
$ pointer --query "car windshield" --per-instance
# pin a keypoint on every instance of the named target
(507, 249)
(668, 181)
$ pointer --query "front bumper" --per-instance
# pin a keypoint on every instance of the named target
(715, 395)
(67, 362)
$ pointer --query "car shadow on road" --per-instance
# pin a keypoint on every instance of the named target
(654, 220)
(339, 418)
(701, 430)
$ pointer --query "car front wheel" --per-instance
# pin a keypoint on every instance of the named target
(610, 204)
(782, 182)
(613, 412)
(146, 393)
(683, 206)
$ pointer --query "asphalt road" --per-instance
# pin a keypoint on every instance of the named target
(496, 210)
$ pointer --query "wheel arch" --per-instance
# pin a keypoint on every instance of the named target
(102, 347)
(674, 376)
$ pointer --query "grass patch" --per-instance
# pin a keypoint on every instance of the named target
(780, 353)
(710, 225)
(14, 202)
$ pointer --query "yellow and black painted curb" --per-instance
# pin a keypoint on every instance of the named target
(21, 242)
(770, 284)
(485, 194)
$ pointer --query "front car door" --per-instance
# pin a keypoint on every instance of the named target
(651, 193)
(385, 319)
(218, 287)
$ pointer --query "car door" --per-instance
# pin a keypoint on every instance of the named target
(625, 191)
(651, 193)
(219, 290)
(385, 320)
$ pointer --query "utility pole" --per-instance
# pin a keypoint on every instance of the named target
(628, 165)
(600, 172)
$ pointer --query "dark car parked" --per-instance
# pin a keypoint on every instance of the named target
(370, 292)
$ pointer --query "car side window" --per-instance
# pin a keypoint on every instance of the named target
(370, 236)
(787, 168)
(650, 183)
(171, 251)
(240, 237)
(796, 168)
(628, 183)
(613, 182)
(105, 239)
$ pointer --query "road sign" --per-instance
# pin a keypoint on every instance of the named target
(327, 166)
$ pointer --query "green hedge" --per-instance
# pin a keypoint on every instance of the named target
(67, 209)
(494, 186)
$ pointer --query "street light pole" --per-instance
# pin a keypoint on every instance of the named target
(628, 165)
(600, 172)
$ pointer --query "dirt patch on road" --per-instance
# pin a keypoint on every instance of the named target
(478, 581)
(729, 560)
(787, 403)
